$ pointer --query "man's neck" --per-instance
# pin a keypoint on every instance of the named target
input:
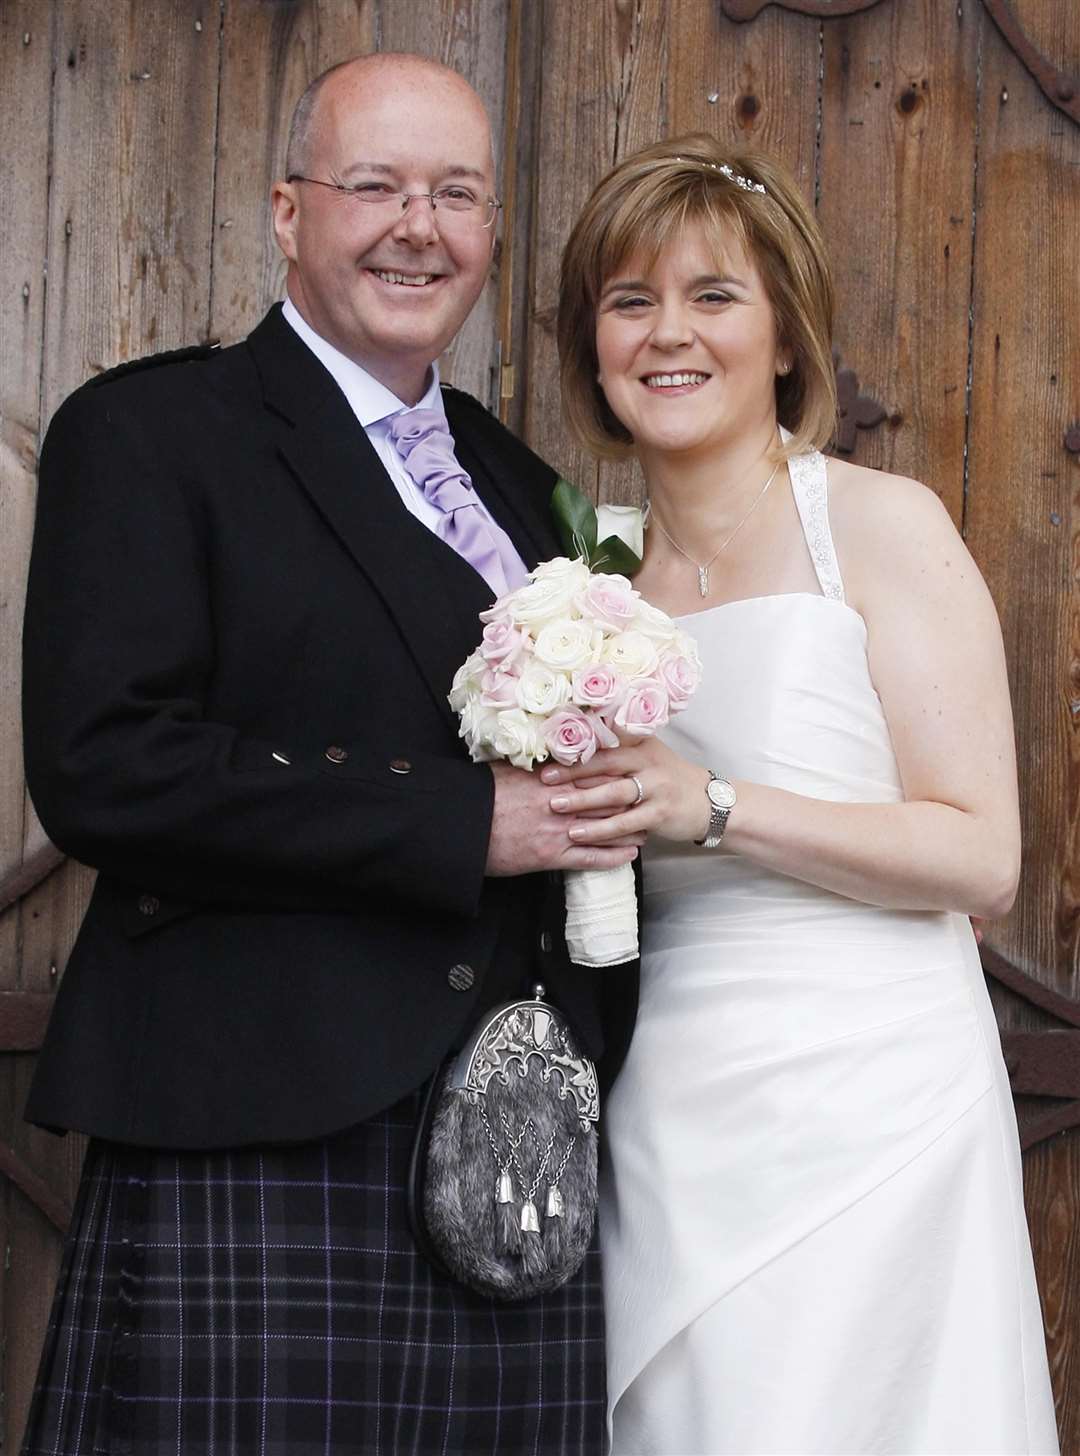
(407, 380)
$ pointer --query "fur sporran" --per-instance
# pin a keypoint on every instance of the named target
(503, 1178)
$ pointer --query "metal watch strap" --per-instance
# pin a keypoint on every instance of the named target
(718, 818)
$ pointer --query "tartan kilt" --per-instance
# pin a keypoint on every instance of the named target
(271, 1300)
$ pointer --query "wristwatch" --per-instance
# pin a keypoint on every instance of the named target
(722, 799)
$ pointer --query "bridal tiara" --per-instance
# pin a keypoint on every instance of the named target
(746, 183)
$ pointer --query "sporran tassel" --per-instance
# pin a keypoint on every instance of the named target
(530, 1223)
(555, 1206)
(504, 1189)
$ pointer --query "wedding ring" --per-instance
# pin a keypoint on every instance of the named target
(640, 791)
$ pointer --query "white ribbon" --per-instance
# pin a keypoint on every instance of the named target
(601, 916)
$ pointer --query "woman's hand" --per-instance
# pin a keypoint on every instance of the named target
(674, 804)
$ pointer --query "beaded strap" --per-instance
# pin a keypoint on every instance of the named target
(810, 487)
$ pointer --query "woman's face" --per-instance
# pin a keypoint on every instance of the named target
(687, 347)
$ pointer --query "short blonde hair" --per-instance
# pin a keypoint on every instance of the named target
(638, 208)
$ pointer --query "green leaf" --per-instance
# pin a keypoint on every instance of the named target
(615, 558)
(575, 518)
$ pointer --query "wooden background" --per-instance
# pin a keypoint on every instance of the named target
(140, 139)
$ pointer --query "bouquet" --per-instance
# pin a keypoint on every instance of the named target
(566, 662)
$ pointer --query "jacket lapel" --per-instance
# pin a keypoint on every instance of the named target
(328, 453)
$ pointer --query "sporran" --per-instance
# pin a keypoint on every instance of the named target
(503, 1177)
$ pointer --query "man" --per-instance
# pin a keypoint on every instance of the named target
(244, 615)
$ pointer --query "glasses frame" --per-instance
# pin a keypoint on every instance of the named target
(492, 204)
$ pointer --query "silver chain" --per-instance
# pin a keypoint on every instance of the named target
(703, 567)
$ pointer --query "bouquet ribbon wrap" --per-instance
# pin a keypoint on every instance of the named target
(601, 916)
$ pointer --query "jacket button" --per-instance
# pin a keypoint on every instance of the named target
(461, 978)
(336, 754)
(400, 765)
(149, 904)
(545, 940)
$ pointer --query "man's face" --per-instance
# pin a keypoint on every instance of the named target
(389, 288)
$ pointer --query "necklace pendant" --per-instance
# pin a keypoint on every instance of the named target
(703, 580)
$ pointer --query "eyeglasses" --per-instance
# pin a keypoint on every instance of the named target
(459, 204)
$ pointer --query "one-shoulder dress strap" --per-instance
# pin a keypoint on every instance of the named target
(810, 487)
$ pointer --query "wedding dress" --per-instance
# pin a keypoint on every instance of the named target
(812, 1217)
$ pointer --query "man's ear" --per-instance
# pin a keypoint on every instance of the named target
(286, 215)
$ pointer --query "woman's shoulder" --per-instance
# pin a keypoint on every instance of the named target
(888, 528)
(868, 505)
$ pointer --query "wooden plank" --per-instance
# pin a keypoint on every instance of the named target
(1023, 525)
(25, 83)
(1022, 516)
(24, 1016)
(524, 68)
(270, 54)
(751, 85)
(470, 36)
(129, 217)
(896, 185)
(25, 66)
(1051, 1181)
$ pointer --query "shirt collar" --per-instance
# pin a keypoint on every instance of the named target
(370, 401)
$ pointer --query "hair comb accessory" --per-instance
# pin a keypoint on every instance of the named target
(746, 183)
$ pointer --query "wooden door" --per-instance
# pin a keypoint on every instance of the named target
(940, 140)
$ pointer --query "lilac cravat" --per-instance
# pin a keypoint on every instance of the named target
(424, 442)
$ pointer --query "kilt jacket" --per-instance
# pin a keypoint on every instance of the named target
(238, 646)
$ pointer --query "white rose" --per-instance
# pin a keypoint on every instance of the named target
(572, 568)
(466, 681)
(518, 739)
(478, 725)
(539, 690)
(548, 595)
(654, 623)
(567, 644)
(631, 653)
(625, 522)
(687, 647)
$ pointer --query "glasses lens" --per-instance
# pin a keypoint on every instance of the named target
(456, 199)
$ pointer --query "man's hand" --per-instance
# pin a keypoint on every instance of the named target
(527, 836)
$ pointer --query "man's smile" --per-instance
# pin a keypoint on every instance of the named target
(404, 280)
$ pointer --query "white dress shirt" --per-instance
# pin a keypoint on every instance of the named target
(373, 405)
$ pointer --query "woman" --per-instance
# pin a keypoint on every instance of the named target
(813, 1224)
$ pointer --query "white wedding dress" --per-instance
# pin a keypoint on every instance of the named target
(812, 1214)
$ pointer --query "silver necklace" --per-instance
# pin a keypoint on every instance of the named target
(703, 568)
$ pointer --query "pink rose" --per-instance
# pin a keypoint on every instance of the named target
(597, 687)
(609, 599)
(643, 710)
(679, 677)
(502, 642)
(570, 736)
(604, 735)
(498, 688)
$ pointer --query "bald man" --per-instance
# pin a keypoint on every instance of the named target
(246, 607)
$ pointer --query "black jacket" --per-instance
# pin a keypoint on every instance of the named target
(238, 646)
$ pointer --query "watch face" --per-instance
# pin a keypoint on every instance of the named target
(721, 793)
